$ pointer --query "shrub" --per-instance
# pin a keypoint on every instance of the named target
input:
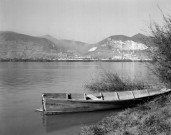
(112, 82)
(161, 36)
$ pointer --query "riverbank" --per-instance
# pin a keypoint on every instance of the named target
(152, 118)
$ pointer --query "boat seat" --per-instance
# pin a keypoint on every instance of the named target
(153, 92)
(110, 96)
(92, 97)
(77, 96)
(125, 95)
(140, 93)
(55, 95)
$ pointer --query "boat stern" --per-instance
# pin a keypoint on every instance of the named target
(43, 103)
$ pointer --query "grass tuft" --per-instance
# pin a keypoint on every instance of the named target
(112, 82)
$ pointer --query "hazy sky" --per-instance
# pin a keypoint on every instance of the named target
(84, 20)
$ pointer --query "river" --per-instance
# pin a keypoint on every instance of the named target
(22, 83)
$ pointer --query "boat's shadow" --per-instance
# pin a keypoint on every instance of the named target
(62, 121)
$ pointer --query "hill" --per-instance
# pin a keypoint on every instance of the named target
(68, 45)
(20, 46)
(122, 47)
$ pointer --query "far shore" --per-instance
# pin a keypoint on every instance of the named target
(74, 60)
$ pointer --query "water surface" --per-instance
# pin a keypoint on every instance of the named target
(21, 86)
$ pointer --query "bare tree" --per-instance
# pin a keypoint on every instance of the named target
(161, 36)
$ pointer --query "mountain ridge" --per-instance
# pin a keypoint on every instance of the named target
(122, 47)
(15, 45)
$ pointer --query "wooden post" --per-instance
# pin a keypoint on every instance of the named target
(43, 103)
(85, 96)
(101, 95)
(117, 96)
(132, 94)
(68, 96)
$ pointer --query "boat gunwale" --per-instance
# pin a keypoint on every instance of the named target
(101, 101)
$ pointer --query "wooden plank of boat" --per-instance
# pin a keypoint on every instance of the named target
(140, 93)
(39, 110)
(110, 96)
(124, 95)
(54, 103)
(92, 97)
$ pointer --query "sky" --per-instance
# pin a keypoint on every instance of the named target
(82, 20)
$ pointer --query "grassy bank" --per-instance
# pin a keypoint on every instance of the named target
(152, 118)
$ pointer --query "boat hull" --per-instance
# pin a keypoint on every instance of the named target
(64, 106)
(57, 106)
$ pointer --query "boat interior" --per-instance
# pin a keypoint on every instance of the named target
(124, 95)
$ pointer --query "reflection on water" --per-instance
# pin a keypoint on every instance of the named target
(21, 86)
(61, 122)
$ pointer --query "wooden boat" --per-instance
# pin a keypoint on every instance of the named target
(54, 103)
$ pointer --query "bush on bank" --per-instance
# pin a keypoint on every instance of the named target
(112, 82)
(161, 36)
